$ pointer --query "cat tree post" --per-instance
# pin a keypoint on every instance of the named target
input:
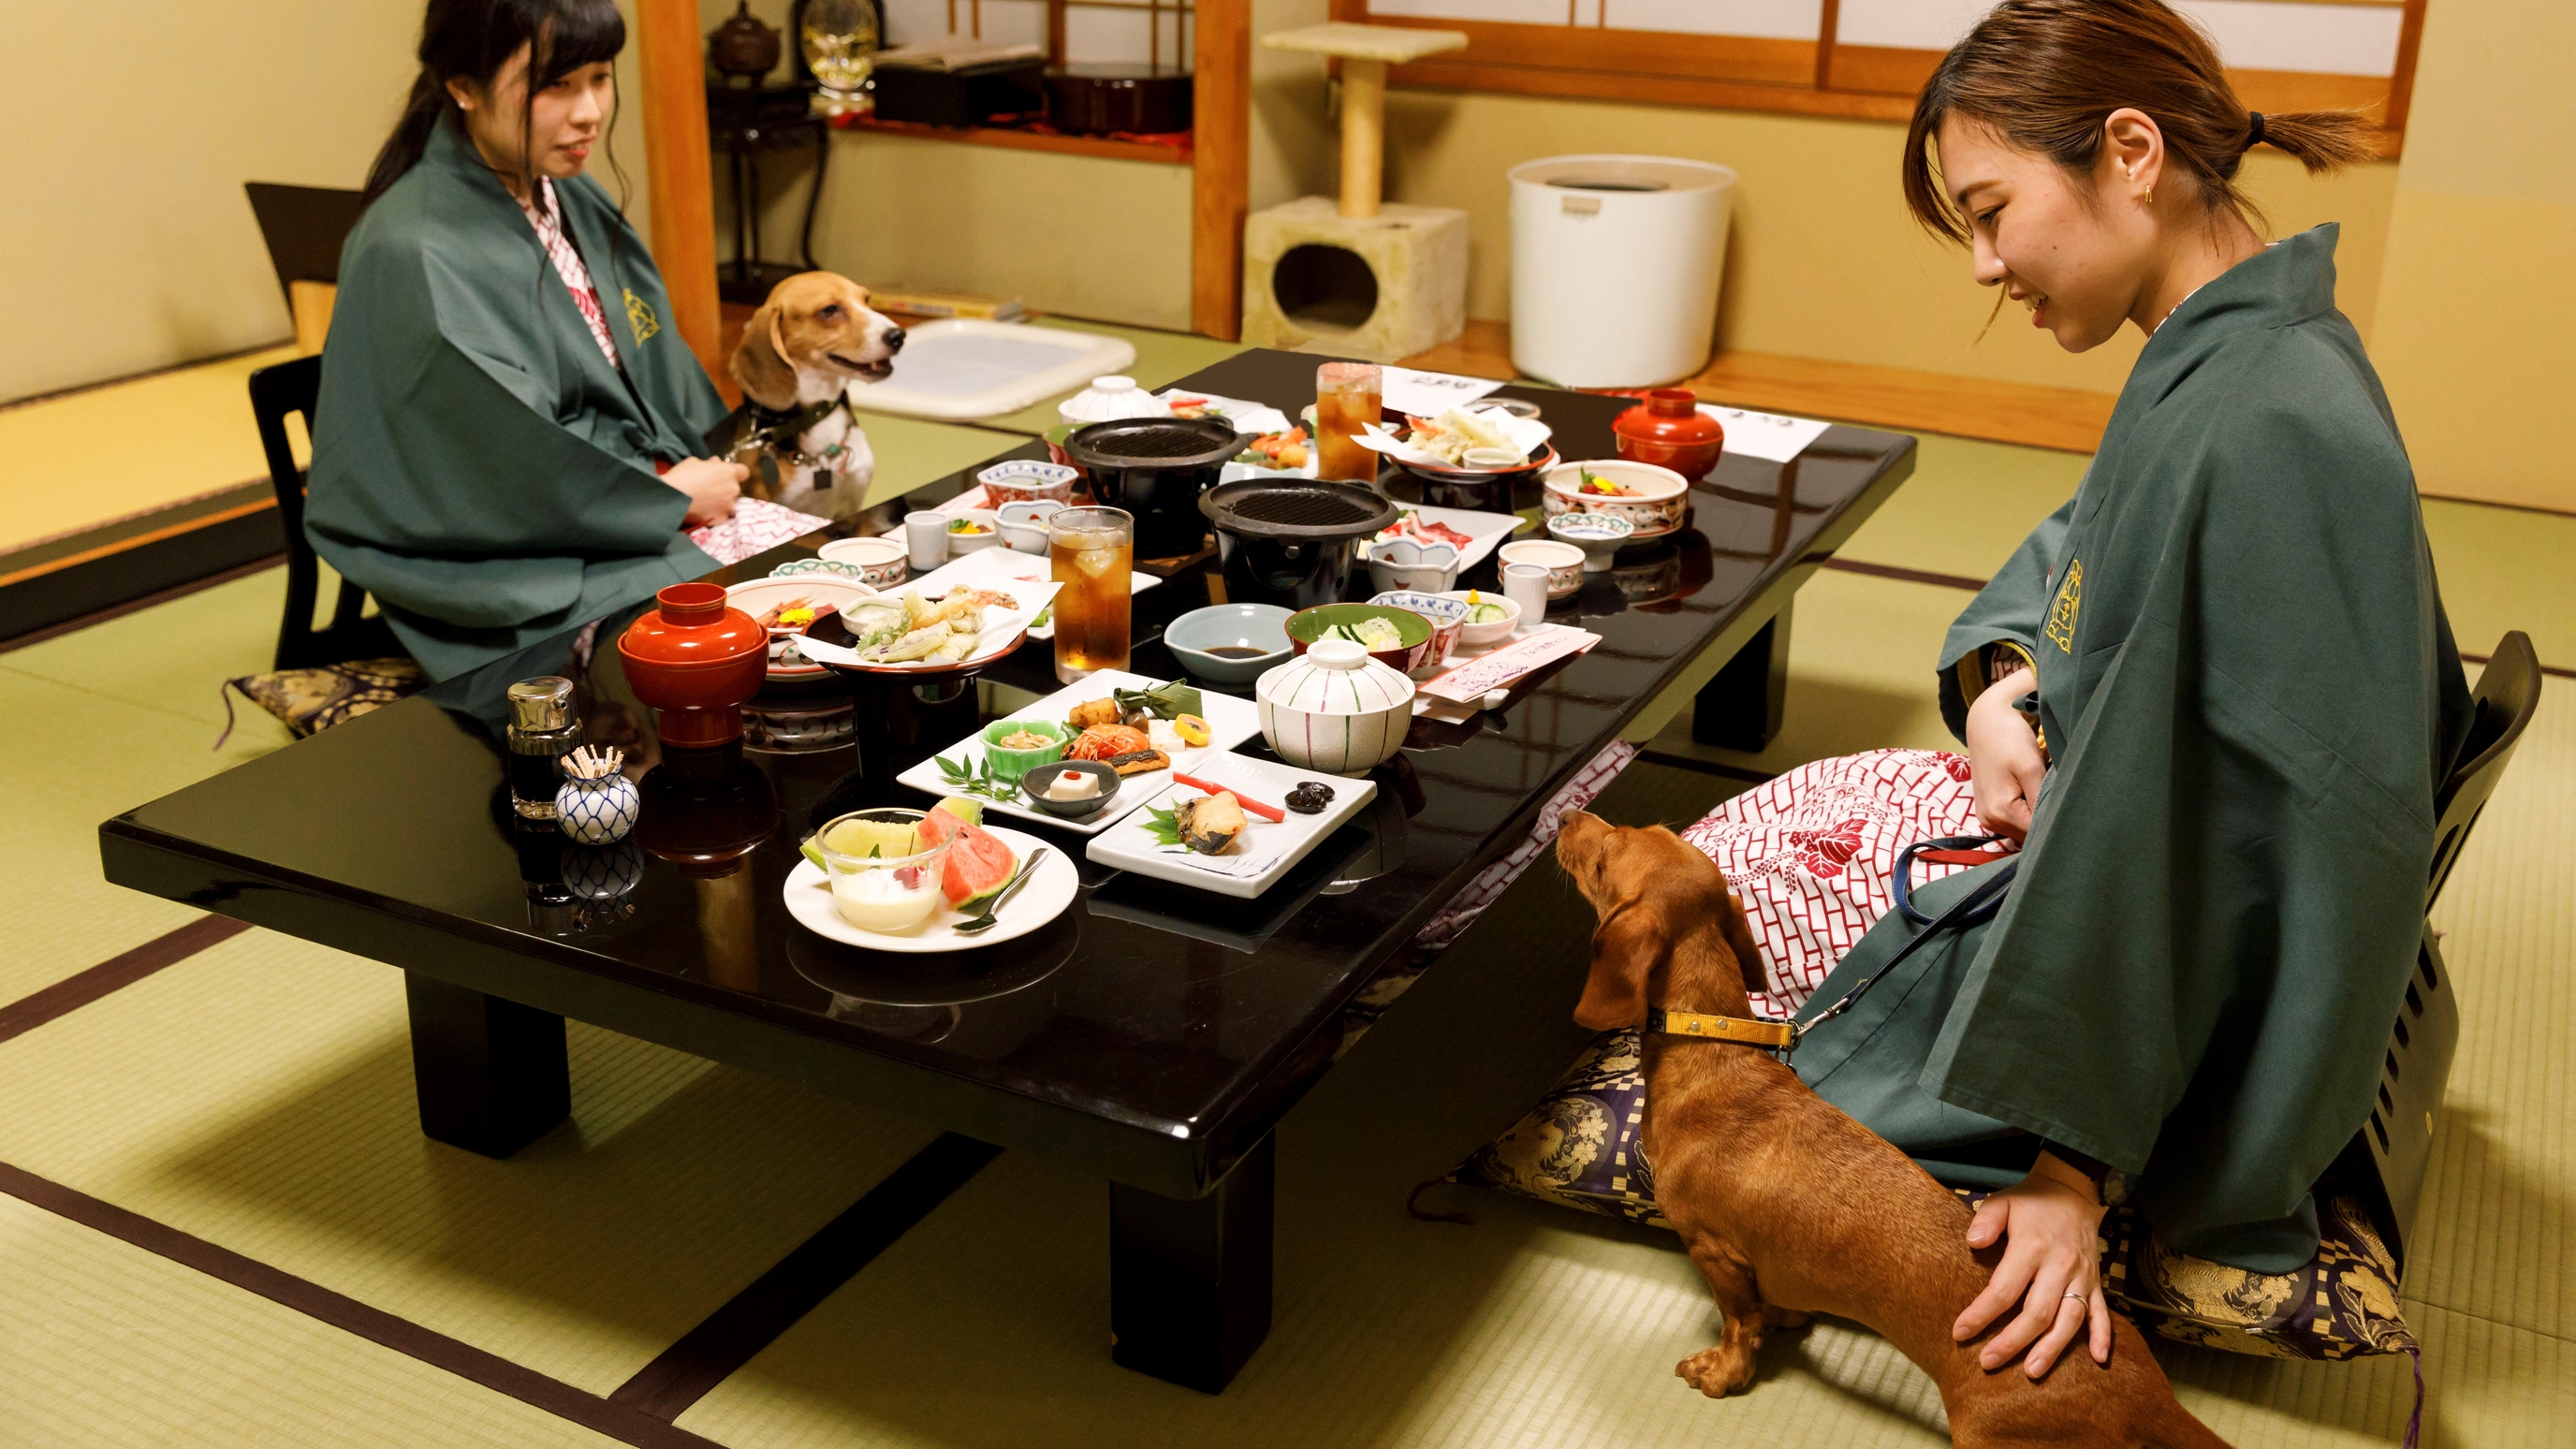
(1357, 277)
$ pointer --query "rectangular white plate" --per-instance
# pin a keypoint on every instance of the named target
(1231, 721)
(1267, 848)
(1486, 530)
(964, 367)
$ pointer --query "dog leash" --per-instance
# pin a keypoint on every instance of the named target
(1781, 1038)
(1976, 906)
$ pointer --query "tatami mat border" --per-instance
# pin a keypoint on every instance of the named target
(617, 1421)
(124, 969)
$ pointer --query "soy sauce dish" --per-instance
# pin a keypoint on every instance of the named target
(1230, 643)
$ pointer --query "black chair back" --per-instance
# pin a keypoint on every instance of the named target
(2507, 696)
(2395, 1146)
(291, 387)
(304, 227)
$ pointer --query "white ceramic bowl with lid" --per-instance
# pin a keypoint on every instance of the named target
(1109, 399)
(1334, 710)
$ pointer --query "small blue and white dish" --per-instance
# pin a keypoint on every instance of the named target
(1447, 616)
(798, 568)
(1027, 480)
(1599, 535)
(1253, 636)
(1412, 564)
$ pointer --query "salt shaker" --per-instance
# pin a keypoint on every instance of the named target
(543, 729)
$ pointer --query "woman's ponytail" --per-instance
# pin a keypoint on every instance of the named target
(410, 141)
(2322, 140)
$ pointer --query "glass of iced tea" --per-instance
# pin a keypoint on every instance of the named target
(1093, 551)
(1348, 396)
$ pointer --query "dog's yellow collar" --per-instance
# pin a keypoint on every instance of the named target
(1776, 1036)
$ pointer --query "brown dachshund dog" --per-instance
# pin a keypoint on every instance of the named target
(798, 356)
(1789, 1207)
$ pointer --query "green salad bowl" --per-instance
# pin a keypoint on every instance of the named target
(1412, 630)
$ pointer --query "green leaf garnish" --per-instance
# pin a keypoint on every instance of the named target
(1164, 826)
(968, 780)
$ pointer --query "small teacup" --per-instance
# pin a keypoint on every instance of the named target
(880, 561)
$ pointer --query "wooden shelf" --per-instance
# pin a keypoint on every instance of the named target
(1023, 140)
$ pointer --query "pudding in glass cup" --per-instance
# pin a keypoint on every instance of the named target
(880, 882)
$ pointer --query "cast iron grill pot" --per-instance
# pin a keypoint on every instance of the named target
(1156, 468)
(1291, 543)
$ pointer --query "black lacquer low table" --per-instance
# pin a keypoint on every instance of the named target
(1154, 1035)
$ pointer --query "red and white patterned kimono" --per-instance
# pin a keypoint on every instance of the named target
(1810, 853)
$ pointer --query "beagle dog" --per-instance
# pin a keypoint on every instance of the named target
(795, 362)
(1787, 1206)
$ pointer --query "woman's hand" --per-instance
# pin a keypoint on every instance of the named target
(2049, 1224)
(712, 485)
(2004, 762)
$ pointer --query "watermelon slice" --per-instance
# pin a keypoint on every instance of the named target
(977, 863)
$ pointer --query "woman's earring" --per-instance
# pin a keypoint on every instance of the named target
(2151, 194)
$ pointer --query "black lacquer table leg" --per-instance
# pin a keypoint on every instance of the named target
(1189, 1282)
(1742, 707)
(491, 1073)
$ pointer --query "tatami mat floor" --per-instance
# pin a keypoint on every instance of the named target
(255, 1096)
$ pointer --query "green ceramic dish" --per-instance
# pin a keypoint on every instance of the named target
(1012, 764)
(1307, 625)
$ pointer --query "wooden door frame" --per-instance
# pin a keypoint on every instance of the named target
(1220, 164)
(679, 172)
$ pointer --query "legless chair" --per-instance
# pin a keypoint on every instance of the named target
(2396, 1144)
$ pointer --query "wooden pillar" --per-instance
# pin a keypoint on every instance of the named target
(1220, 165)
(1363, 135)
(680, 172)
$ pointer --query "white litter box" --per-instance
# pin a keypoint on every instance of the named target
(1615, 267)
(965, 367)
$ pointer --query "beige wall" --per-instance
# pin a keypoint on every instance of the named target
(2477, 306)
(130, 245)
(1081, 235)
(1823, 260)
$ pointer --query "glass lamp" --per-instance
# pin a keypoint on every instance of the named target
(837, 40)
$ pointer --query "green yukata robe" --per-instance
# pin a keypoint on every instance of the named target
(2250, 693)
(478, 464)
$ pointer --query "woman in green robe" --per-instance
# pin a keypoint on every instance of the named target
(2246, 695)
(507, 443)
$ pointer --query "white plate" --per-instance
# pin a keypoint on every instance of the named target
(1231, 721)
(761, 595)
(1003, 630)
(1267, 848)
(1485, 531)
(966, 367)
(985, 566)
(1042, 897)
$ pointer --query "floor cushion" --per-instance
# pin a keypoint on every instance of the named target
(308, 701)
(1581, 1147)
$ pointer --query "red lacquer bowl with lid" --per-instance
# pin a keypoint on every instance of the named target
(1669, 431)
(695, 660)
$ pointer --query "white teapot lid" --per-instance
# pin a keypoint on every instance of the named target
(1109, 399)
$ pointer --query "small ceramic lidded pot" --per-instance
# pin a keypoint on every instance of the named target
(1109, 399)
(1669, 431)
(1335, 710)
(596, 805)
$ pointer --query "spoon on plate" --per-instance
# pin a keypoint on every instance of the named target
(988, 915)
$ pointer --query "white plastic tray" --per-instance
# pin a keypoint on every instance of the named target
(965, 367)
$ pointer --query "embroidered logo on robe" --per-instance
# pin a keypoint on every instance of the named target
(640, 318)
(2061, 614)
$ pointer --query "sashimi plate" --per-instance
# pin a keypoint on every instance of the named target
(1040, 899)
